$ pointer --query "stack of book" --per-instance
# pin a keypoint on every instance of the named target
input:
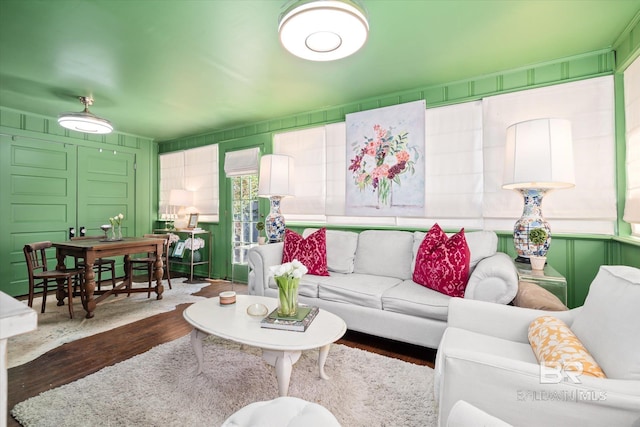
(299, 323)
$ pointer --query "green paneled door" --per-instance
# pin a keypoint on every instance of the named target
(107, 188)
(38, 201)
(47, 187)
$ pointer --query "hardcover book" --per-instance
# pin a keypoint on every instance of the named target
(300, 323)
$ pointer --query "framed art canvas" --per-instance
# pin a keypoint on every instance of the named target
(385, 161)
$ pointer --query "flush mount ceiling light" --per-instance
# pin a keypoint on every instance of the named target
(323, 30)
(85, 121)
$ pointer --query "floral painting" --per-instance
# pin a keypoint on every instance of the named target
(385, 161)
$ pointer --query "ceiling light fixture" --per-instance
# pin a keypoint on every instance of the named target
(85, 121)
(323, 30)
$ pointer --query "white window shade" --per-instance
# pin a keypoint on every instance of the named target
(307, 148)
(589, 105)
(632, 120)
(171, 177)
(241, 162)
(453, 184)
(194, 170)
(201, 178)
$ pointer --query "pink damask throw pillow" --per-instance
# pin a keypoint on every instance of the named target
(312, 251)
(442, 263)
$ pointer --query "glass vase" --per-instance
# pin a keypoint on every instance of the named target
(114, 235)
(119, 237)
(287, 296)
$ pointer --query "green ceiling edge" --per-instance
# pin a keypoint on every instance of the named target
(579, 67)
(627, 46)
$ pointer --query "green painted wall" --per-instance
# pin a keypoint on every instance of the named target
(576, 256)
(18, 129)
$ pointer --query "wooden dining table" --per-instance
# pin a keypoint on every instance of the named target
(91, 250)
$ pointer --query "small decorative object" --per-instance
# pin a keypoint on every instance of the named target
(538, 237)
(257, 310)
(261, 239)
(116, 226)
(194, 244)
(287, 277)
(227, 297)
(105, 228)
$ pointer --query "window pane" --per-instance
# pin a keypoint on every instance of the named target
(245, 214)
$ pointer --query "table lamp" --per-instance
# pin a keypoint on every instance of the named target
(179, 199)
(538, 159)
(276, 182)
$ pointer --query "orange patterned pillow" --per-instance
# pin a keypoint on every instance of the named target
(555, 345)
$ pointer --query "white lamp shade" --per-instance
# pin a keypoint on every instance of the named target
(276, 176)
(180, 198)
(539, 154)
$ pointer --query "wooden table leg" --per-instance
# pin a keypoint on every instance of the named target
(60, 288)
(159, 271)
(89, 285)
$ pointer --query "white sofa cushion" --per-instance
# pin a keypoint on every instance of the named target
(416, 300)
(341, 249)
(482, 244)
(384, 253)
(354, 288)
(609, 323)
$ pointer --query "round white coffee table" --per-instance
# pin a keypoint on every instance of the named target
(280, 348)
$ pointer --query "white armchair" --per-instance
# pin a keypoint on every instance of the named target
(485, 359)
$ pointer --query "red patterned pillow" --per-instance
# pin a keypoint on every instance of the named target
(312, 251)
(443, 265)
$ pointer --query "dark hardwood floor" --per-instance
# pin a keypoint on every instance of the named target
(83, 357)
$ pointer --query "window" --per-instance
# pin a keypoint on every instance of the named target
(195, 170)
(632, 120)
(464, 162)
(244, 206)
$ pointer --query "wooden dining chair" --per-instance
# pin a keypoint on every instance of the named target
(101, 265)
(147, 263)
(39, 275)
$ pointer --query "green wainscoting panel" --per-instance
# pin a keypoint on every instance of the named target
(48, 184)
(31, 186)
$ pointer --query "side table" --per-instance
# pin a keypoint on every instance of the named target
(548, 279)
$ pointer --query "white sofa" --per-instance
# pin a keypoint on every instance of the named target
(370, 284)
(486, 360)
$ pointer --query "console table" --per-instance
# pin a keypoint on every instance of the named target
(548, 279)
(191, 263)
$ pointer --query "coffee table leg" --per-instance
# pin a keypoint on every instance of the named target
(322, 358)
(196, 342)
(283, 362)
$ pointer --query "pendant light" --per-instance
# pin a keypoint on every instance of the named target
(323, 30)
(85, 121)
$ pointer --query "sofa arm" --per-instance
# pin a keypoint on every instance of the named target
(494, 280)
(501, 321)
(512, 390)
(260, 259)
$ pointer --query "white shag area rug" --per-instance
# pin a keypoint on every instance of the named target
(160, 388)
(55, 327)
